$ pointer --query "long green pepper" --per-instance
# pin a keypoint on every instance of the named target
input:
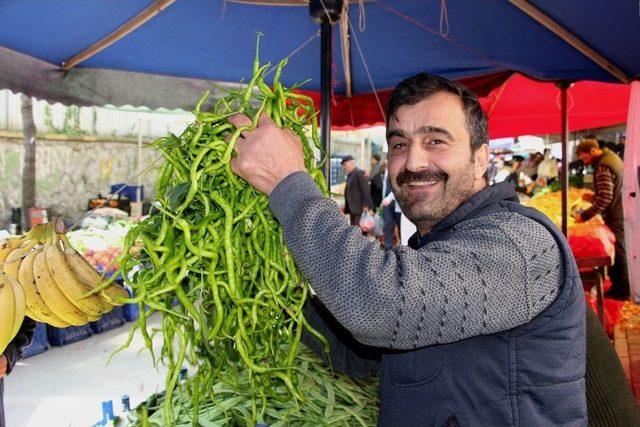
(212, 247)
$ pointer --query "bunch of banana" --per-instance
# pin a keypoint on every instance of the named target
(12, 309)
(55, 280)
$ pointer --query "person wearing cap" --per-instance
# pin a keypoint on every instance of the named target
(357, 193)
(608, 170)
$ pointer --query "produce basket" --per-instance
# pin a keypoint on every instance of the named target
(111, 320)
(40, 342)
(64, 336)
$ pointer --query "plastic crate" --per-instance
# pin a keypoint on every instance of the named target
(129, 191)
(64, 336)
(130, 312)
(40, 342)
(111, 320)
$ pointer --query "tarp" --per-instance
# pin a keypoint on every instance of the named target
(524, 106)
(516, 105)
(631, 192)
(214, 40)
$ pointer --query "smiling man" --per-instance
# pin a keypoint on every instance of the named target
(481, 321)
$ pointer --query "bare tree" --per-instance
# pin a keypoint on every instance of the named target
(29, 164)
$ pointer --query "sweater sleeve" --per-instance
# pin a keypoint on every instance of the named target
(492, 274)
(604, 193)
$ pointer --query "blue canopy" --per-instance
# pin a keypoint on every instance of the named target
(199, 40)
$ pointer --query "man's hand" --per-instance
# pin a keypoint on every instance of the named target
(385, 202)
(266, 155)
(3, 365)
(589, 197)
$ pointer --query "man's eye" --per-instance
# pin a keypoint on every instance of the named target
(399, 145)
(436, 142)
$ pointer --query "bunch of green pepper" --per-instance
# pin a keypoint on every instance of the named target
(211, 256)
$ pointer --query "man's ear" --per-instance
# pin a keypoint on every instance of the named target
(481, 161)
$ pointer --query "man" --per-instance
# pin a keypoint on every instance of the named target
(481, 321)
(357, 195)
(607, 180)
(514, 168)
(375, 165)
(12, 354)
(377, 184)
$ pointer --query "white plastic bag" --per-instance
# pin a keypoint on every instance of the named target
(367, 222)
(378, 227)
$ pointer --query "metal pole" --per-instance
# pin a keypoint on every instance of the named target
(325, 96)
(564, 173)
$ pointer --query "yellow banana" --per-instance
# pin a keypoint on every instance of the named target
(53, 296)
(114, 294)
(69, 284)
(8, 244)
(20, 304)
(12, 263)
(36, 308)
(7, 312)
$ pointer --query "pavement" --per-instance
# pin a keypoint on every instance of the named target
(65, 386)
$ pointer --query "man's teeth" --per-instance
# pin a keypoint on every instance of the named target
(421, 183)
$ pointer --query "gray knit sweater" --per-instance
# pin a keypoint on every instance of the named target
(492, 274)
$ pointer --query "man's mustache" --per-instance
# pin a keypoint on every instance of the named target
(406, 177)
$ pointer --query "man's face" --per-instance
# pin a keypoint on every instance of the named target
(587, 158)
(349, 166)
(430, 163)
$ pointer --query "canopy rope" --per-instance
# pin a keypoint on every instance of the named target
(366, 68)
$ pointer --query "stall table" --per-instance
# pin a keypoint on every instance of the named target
(594, 271)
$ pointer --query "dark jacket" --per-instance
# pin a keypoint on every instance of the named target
(13, 353)
(357, 193)
(376, 189)
(531, 375)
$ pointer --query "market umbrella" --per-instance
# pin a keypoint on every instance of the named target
(187, 42)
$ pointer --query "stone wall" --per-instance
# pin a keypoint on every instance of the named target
(69, 172)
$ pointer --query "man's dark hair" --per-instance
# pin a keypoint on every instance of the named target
(414, 89)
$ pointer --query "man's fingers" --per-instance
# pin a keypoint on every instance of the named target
(239, 120)
(264, 119)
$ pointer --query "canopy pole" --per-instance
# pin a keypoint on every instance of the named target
(564, 173)
(325, 96)
(325, 13)
(133, 24)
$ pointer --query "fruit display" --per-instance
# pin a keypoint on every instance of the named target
(100, 243)
(44, 278)
(550, 204)
(590, 239)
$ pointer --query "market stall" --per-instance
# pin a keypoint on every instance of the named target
(175, 53)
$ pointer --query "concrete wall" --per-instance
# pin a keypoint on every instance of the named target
(69, 172)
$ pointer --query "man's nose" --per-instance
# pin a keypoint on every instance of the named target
(417, 157)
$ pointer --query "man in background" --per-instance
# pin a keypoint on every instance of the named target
(12, 354)
(375, 165)
(391, 213)
(357, 195)
(607, 180)
(377, 184)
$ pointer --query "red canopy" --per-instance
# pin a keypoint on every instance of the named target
(515, 105)
(524, 106)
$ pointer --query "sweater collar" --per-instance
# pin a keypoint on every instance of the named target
(473, 207)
